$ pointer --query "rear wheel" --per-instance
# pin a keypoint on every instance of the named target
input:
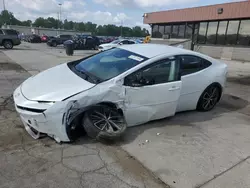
(8, 44)
(54, 44)
(209, 98)
(104, 122)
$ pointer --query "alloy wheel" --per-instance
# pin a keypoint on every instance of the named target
(107, 120)
(210, 98)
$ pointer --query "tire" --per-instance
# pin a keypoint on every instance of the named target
(102, 122)
(209, 98)
(54, 44)
(8, 44)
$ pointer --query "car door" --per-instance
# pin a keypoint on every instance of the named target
(152, 92)
(194, 81)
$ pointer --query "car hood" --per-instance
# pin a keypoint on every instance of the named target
(54, 84)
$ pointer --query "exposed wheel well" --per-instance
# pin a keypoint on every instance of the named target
(78, 119)
(7, 40)
(219, 86)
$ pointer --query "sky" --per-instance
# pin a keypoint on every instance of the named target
(125, 12)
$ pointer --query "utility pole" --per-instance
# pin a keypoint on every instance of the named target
(4, 5)
(60, 12)
(121, 27)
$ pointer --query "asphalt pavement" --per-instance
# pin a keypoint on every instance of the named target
(29, 163)
(192, 149)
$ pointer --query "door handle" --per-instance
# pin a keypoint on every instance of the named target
(173, 88)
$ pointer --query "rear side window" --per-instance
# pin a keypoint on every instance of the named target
(191, 64)
(206, 64)
(11, 32)
(125, 42)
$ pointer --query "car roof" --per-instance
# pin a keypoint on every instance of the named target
(152, 50)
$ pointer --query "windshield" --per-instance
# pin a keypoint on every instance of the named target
(115, 42)
(109, 64)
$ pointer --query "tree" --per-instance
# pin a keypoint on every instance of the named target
(8, 18)
(26, 23)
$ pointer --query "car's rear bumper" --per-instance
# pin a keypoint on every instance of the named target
(49, 122)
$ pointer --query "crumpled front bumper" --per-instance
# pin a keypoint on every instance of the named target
(49, 122)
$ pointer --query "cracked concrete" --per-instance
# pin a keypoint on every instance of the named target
(193, 149)
(29, 163)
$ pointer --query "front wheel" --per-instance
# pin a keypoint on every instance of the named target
(8, 44)
(104, 122)
(209, 98)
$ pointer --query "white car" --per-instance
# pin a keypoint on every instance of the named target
(115, 43)
(107, 92)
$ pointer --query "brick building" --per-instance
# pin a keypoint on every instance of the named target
(222, 24)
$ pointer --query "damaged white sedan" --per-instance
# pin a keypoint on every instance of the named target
(105, 93)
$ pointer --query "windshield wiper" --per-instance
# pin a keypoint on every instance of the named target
(89, 77)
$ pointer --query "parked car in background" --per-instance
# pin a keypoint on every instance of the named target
(35, 38)
(44, 38)
(58, 40)
(85, 42)
(9, 38)
(116, 43)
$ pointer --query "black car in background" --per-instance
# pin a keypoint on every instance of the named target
(85, 42)
(58, 40)
(33, 38)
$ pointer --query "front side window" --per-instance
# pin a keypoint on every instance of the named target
(108, 64)
(158, 73)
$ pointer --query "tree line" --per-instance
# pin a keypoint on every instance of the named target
(8, 18)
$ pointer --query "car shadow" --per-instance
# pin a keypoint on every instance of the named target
(227, 104)
(244, 80)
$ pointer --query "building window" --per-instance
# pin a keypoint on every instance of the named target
(168, 29)
(155, 31)
(181, 31)
(202, 33)
(189, 30)
(222, 32)
(211, 32)
(161, 30)
(244, 33)
(231, 37)
(175, 31)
